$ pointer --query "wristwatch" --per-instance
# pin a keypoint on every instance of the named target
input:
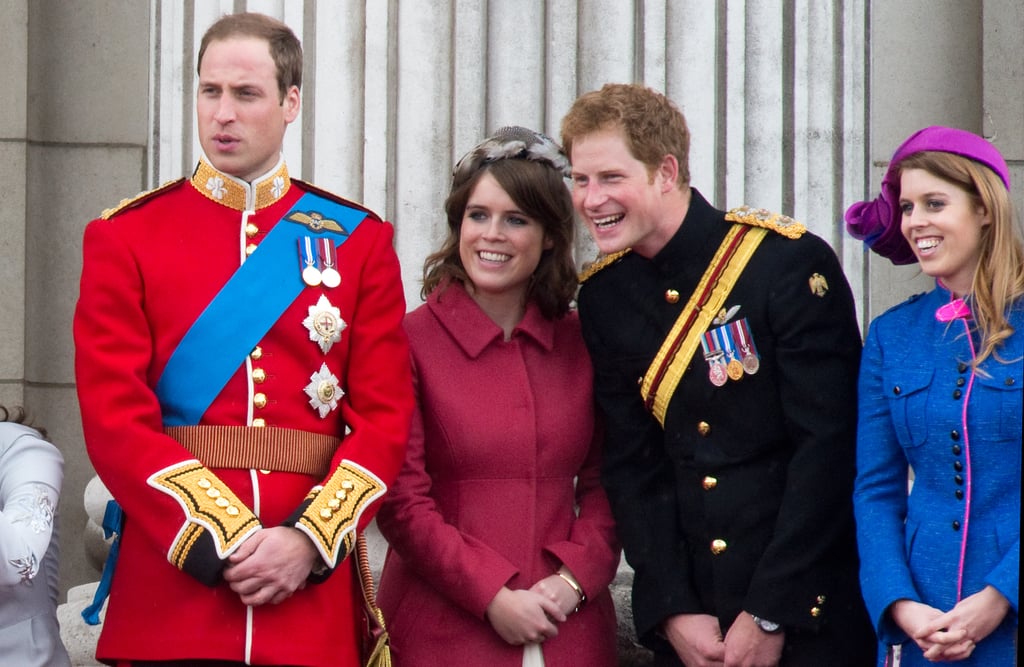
(767, 626)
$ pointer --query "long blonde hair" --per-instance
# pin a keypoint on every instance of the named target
(998, 282)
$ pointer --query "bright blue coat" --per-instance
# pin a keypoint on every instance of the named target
(920, 404)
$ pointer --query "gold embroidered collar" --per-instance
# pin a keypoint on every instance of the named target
(236, 193)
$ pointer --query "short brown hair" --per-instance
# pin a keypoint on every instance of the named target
(541, 193)
(652, 125)
(284, 46)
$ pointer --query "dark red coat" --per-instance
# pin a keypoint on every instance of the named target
(487, 497)
(149, 270)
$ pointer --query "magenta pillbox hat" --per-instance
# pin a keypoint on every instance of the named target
(877, 222)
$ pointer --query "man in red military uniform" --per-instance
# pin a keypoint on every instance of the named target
(244, 384)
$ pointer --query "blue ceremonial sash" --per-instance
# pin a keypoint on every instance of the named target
(246, 307)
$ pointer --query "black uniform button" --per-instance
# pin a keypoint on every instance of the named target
(959, 479)
(958, 466)
(959, 494)
(896, 390)
(961, 367)
(957, 393)
(954, 434)
(960, 382)
(1009, 382)
(956, 525)
(956, 450)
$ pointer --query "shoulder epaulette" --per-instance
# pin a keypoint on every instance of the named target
(760, 217)
(138, 199)
(327, 194)
(591, 268)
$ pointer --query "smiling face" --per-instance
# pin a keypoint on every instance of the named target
(239, 110)
(620, 200)
(943, 224)
(499, 245)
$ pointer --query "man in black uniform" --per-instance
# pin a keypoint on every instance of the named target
(725, 348)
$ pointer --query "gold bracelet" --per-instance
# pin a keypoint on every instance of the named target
(576, 587)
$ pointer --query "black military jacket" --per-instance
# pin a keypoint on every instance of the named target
(743, 501)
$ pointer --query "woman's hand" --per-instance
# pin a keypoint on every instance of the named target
(559, 591)
(523, 616)
(955, 633)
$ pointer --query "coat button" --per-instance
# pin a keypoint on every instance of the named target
(259, 422)
(256, 353)
(956, 450)
(259, 400)
(954, 434)
(1009, 382)
(958, 466)
(957, 394)
(704, 429)
(815, 612)
(258, 375)
(959, 479)
(718, 546)
(960, 382)
(671, 296)
(709, 483)
(896, 390)
(821, 599)
(250, 249)
(961, 367)
(956, 525)
(251, 230)
(959, 494)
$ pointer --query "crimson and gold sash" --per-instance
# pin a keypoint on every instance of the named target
(665, 372)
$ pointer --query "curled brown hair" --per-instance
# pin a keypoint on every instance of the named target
(540, 192)
(652, 125)
(285, 48)
(999, 279)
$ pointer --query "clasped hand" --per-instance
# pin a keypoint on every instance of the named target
(529, 616)
(952, 635)
(269, 566)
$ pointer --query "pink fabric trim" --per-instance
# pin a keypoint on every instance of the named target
(967, 458)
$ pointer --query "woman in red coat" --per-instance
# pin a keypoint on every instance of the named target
(502, 541)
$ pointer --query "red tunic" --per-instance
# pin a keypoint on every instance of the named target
(149, 270)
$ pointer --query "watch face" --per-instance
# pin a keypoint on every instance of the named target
(766, 625)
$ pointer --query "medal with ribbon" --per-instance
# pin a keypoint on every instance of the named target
(714, 355)
(328, 253)
(733, 367)
(311, 274)
(748, 351)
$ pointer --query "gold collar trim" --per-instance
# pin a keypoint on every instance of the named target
(236, 193)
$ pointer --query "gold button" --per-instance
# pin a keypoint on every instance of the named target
(334, 503)
(347, 485)
(672, 296)
(326, 513)
(325, 391)
(718, 546)
(710, 483)
(259, 422)
(213, 493)
(203, 483)
(815, 612)
(222, 502)
(251, 230)
(340, 495)
(257, 352)
(821, 599)
(233, 511)
(264, 471)
(260, 400)
(704, 428)
(258, 375)
(250, 249)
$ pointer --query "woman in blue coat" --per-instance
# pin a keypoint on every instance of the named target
(940, 391)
